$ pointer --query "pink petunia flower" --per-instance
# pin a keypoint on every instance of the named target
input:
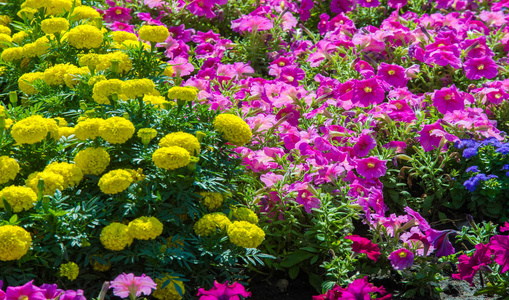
(117, 14)
(248, 23)
(73, 295)
(26, 291)
(367, 92)
(499, 246)
(371, 167)
(448, 99)
(469, 266)
(364, 144)
(401, 259)
(119, 26)
(223, 291)
(128, 285)
(393, 75)
(428, 139)
(364, 245)
(477, 68)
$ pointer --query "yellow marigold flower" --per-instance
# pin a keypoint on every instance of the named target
(14, 242)
(30, 130)
(74, 75)
(181, 139)
(52, 182)
(146, 135)
(5, 20)
(55, 75)
(11, 54)
(157, 101)
(155, 34)
(19, 198)
(29, 50)
(70, 172)
(115, 181)
(171, 158)
(88, 129)
(137, 174)
(58, 7)
(168, 71)
(245, 214)
(5, 30)
(69, 270)
(211, 200)
(183, 93)
(121, 36)
(90, 60)
(18, 37)
(35, 4)
(42, 45)
(209, 224)
(116, 130)
(145, 228)
(9, 168)
(61, 122)
(106, 88)
(234, 129)
(95, 79)
(169, 292)
(137, 87)
(27, 12)
(54, 25)
(100, 267)
(26, 82)
(85, 37)
(125, 63)
(245, 234)
(92, 161)
(84, 12)
(4, 38)
(52, 128)
(116, 237)
(8, 123)
(65, 131)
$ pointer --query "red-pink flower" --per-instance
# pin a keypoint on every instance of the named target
(128, 285)
(359, 289)
(469, 266)
(401, 259)
(363, 245)
(223, 291)
(371, 167)
(499, 246)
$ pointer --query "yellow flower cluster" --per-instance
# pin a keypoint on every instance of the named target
(58, 7)
(12, 54)
(245, 214)
(54, 25)
(106, 88)
(85, 37)
(33, 129)
(116, 130)
(245, 234)
(211, 200)
(27, 80)
(92, 161)
(52, 182)
(121, 36)
(183, 93)
(181, 139)
(171, 158)
(73, 74)
(157, 101)
(209, 223)
(9, 168)
(55, 75)
(69, 270)
(115, 237)
(14, 242)
(88, 128)
(145, 228)
(84, 12)
(124, 62)
(146, 135)
(115, 181)
(19, 198)
(4, 38)
(137, 87)
(169, 292)
(234, 129)
(155, 34)
(70, 172)
(5, 30)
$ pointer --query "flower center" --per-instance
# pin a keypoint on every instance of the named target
(368, 89)
(290, 78)
(118, 11)
(480, 67)
(498, 96)
(371, 165)
(391, 72)
(440, 45)
(281, 63)
(448, 97)
(23, 297)
(402, 254)
(398, 105)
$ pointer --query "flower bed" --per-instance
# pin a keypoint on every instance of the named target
(174, 148)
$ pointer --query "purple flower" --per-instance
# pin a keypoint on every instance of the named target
(223, 291)
(292, 75)
(393, 75)
(364, 144)
(474, 169)
(368, 3)
(499, 246)
(472, 183)
(448, 99)
(367, 92)
(371, 167)
(469, 152)
(401, 259)
(439, 239)
(477, 68)
(27, 291)
(72, 295)
(128, 285)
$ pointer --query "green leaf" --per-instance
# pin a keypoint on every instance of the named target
(293, 272)
(295, 258)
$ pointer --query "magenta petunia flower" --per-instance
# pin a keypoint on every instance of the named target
(359, 289)
(368, 3)
(73, 295)
(204, 7)
(499, 246)
(2, 293)
(393, 75)
(27, 291)
(401, 259)
(428, 139)
(290, 114)
(292, 75)
(371, 167)
(117, 14)
(448, 100)
(367, 92)
(364, 144)
(51, 291)
(128, 285)
(304, 10)
(469, 266)
(119, 26)
(504, 227)
(364, 245)
(248, 23)
(439, 239)
(223, 291)
(399, 146)
(477, 68)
